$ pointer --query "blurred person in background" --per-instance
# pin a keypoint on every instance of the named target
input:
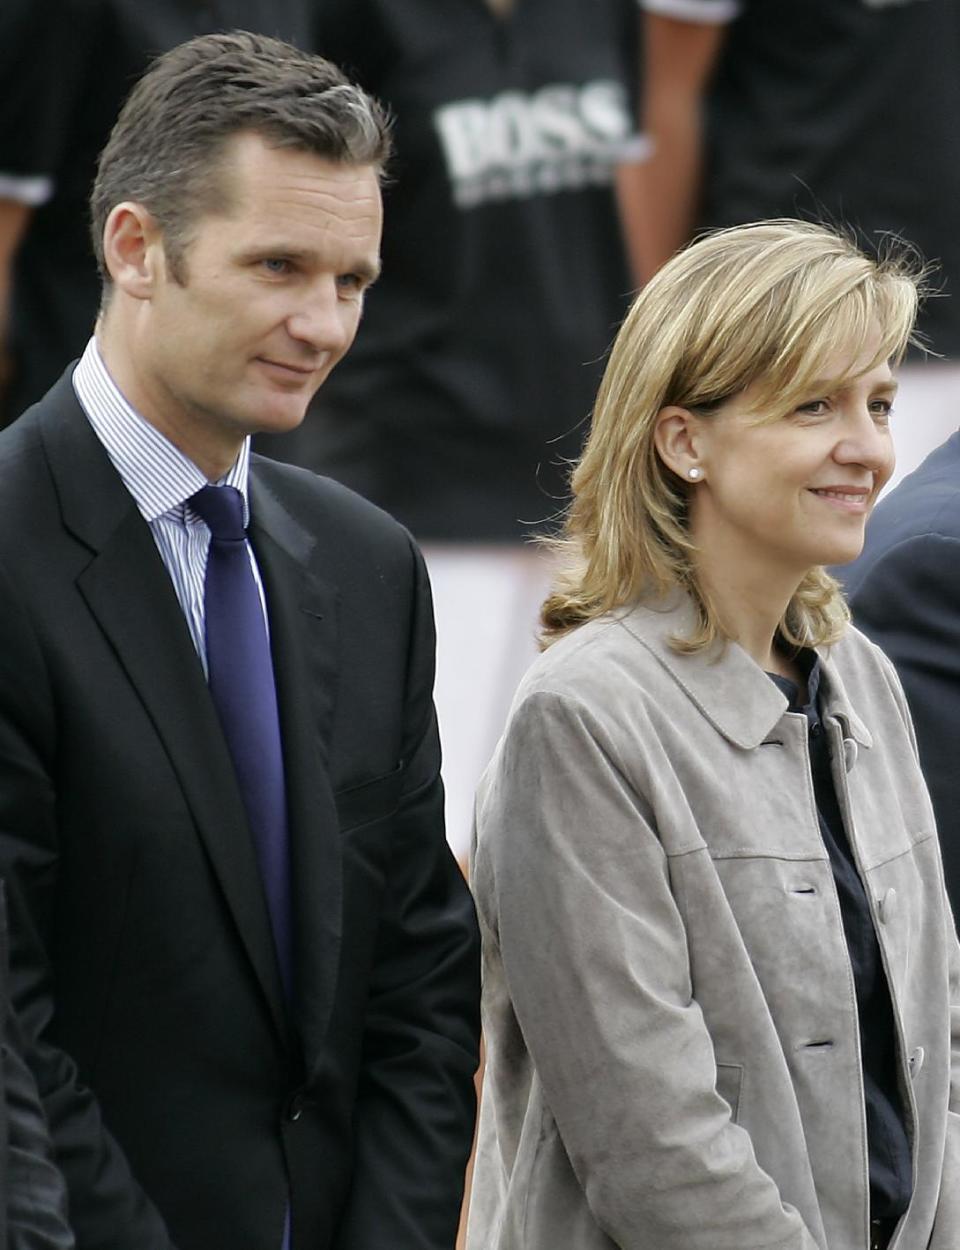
(504, 278)
(65, 69)
(721, 979)
(843, 110)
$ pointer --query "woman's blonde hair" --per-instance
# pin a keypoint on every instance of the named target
(759, 305)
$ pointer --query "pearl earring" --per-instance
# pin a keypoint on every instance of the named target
(694, 474)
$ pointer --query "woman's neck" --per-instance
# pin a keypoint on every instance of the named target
(750, 613)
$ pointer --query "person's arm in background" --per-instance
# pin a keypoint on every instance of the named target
(35, 96)
(659, 196)
(14, 218)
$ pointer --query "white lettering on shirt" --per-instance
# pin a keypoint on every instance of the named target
(516, 145)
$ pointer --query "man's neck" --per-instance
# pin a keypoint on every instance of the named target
(210, 450)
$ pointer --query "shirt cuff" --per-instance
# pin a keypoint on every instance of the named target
(26, 190)
(715, 12)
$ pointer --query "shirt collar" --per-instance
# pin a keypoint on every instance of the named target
(808, 662)
(155, 472)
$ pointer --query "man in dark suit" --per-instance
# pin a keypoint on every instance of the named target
(904, 591)
(245, 954)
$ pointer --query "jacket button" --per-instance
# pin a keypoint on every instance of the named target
(849, 753)
(915, 1062)
(295, 1107)
(887, 906)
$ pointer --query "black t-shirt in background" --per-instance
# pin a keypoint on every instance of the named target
(840, 110)
(475, 368)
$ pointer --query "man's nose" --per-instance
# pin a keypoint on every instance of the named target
(321, 319)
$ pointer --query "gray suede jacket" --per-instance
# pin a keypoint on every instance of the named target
(672, 1043)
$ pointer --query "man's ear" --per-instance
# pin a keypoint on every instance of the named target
(677, 437)
(133, 249)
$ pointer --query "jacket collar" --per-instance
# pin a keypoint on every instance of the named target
(729, 688)
(836, 702)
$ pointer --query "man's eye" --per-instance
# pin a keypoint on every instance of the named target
(276, 265)
(350, 282)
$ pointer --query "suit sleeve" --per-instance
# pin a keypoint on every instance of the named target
(416, 1101)
(35, 1188)
(909, 604)
(574, 890)
(108, 1209)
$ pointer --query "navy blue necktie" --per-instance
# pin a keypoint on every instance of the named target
(240, 674)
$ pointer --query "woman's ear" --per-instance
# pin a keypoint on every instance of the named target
(676, 436)
(133, 249)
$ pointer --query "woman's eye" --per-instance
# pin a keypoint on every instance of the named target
(815, 408)
(882, 410)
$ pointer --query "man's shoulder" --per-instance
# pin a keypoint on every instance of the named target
(859, 660)
(922, 512)
(928, 500)
(23, 463)
(329, 511)
(59, 403)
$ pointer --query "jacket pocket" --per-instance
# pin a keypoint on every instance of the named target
(369, 801)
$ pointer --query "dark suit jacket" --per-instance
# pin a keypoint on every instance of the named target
(904, 591)
(186, 1102)
(33, 1196)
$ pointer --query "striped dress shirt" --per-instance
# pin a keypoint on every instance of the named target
(161, 479)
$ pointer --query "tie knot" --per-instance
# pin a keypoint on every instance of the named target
(222, 509)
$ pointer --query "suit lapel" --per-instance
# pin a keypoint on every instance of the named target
(303, 611)
(129, 592)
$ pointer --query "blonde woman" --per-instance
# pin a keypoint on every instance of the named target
(720, 970)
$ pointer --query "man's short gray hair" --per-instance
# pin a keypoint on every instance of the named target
(164, 149)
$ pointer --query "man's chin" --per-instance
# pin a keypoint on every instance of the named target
(281, 418)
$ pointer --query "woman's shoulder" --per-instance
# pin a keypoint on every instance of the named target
(858, 659)
(599, 657)
(620, 667)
